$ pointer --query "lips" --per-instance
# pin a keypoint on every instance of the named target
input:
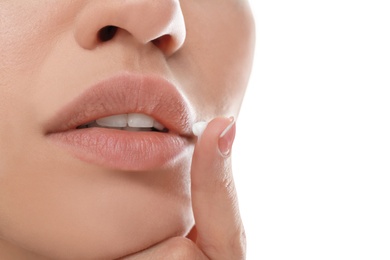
(74, 127)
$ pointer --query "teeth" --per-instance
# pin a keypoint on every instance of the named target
(113, 121)
(129, 122)
(140, 120)
(158, 126)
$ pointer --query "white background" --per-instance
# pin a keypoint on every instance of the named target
(312, 154)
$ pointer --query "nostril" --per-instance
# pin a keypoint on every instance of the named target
(163, 42)
(107, 33)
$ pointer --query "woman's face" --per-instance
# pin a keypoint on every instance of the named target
(70, 188)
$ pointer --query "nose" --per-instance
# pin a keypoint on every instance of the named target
(160, 22)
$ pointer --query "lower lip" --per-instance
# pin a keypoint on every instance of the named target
(122, 150)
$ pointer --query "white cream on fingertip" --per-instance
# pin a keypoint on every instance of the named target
(199, 127)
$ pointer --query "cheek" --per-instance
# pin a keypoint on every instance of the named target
(21, 34)
(22, 45)
(218, 58)
(27, 30)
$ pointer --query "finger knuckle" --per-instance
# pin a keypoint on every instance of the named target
(224, 183)
(238, 244)
(232, 248)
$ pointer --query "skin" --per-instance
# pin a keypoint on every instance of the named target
(54, 206)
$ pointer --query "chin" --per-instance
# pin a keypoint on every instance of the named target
(88, 212)
(114, 233)
(123, 237)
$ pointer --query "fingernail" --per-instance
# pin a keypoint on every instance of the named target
(198, 128)
(226, 138)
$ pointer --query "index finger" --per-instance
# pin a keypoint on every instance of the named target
(220, 233)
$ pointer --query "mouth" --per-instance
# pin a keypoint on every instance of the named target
(134, 122)
(128, 122)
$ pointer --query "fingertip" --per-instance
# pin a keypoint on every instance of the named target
(212, 151)
(210, 134)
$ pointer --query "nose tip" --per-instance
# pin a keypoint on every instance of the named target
(158, 22)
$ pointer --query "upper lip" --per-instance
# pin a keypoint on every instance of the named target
(127, 93)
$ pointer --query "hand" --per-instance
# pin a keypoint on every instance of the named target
(219, 233)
